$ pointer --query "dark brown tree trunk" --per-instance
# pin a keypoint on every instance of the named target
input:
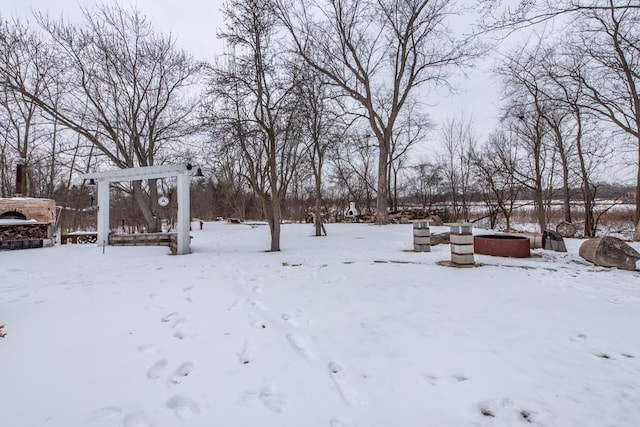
(317, 217)
(636, 233)
(382, 199)
(273, 212)
(143, 204)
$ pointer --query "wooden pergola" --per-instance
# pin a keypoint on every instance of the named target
(104, 179)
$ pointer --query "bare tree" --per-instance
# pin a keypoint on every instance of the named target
(606, 35)
(28, 61)
(411, 129)
(231, 192)
(124, 89)
(459, 140)
(565, 86)
(425, 182)
(353, 164)
(495, 164)
(256, 107)
(377, 52)
(323, 129)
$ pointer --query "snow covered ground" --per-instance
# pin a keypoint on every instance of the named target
(352, 329)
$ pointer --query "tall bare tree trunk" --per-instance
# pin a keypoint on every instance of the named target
(273, 212)
(382, 216)
(143, 204)
(317, 218)
(636, 233)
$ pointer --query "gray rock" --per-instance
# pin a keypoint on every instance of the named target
(440, 239)
(609, 251)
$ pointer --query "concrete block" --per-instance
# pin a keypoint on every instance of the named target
(422, 248)
(458, 239)
(462, 259)
(462, 249)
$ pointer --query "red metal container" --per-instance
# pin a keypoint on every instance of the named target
(502, 245)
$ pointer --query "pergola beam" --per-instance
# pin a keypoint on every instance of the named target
(135, 174)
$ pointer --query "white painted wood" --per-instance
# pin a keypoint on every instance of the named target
(103, 213)
(134, 174)
(184, 215)
(148, 172)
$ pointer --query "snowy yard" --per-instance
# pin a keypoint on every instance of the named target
(352, 329)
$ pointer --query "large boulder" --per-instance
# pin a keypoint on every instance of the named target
(566, 229)
(440, 239)
(609, 251)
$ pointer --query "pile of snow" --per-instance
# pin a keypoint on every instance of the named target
(352, 329)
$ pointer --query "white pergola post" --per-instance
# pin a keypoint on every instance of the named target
(184, 215)
(103, 213)
(104, 179)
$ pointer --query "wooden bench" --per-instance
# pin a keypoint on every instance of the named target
(146, 239)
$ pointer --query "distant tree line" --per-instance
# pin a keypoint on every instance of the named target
(318, 103)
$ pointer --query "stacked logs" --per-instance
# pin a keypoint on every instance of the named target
(22, 232)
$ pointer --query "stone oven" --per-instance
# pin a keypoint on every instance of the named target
(26, 222)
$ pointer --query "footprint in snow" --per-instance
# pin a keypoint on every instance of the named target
(149, 349)
(274, 401)
(236, 305)
(295, 319)
(579, 338)
(183, 407)
(492, 408)
(138, 419)
(106, 413)
(302, 345)
(257, 290)
(290, 319)
(157, 369)
(348, 393)
(183, 371)
(438, 381)
(507, 412)
(258, 304)
(184, 336)
(335, 422)
(256, 321)
(179, 322)
(169, 317)
(246, 354)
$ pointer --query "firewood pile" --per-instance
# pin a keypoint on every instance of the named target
(22, 232)
(405, 216)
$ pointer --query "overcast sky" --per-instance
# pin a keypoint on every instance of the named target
(195, 24)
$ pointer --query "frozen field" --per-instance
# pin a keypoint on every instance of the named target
(352, 329)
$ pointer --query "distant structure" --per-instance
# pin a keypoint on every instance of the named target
(352, 212)
(26, 222)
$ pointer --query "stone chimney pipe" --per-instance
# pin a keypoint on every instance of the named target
(20, 177)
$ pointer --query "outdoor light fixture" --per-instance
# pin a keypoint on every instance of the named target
(198, 173)
(92, 182)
